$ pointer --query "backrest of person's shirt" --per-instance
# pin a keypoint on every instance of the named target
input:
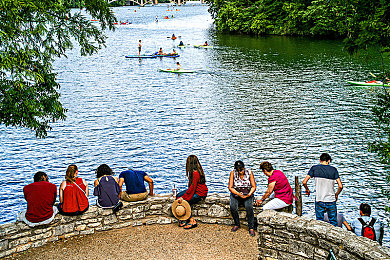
(134, 181)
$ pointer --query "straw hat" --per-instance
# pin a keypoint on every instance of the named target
(181, 211)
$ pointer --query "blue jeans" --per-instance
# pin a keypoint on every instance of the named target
(195, 199)
(329, 207)
(248, 204)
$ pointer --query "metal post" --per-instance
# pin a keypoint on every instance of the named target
(298, 195)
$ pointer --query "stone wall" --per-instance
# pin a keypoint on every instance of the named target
(286, 236)
(17, 236)
(280, 235)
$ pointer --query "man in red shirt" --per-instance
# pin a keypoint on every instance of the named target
(40, 196)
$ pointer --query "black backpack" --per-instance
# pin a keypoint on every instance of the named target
(368, 229)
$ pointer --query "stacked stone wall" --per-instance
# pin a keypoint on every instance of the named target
(16, 237)
(280, 235)
(285, 236)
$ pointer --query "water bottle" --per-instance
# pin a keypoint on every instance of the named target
(174, 191)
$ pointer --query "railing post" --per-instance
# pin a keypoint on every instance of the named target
(298, 195)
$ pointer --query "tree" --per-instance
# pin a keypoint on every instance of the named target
(33, 33)
(369, 27)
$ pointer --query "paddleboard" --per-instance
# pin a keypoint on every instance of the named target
(203, 46)
(367, 83)
(141, 57)
(168, 56)
(177, 71)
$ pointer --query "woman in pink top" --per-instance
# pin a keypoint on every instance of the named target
(277, 183)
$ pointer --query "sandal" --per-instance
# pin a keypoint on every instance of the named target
(189, 226)
(182, 223)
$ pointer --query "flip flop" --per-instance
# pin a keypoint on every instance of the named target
(189, 226)
(182, 223)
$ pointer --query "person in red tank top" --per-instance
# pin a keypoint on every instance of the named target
(73, 194)
(197, 189)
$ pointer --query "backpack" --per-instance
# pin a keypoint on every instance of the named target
(368, 229)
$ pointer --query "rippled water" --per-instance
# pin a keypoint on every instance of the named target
(280, 99)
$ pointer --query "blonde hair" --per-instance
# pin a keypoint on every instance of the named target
(71, 173)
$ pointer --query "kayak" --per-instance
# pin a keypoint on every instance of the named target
(177, 71)
(167, 56)
(141, 57)
(203, 46)
(373, 83)
(181, 46)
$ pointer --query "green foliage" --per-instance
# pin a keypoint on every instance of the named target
(355, 19)
(32, 34)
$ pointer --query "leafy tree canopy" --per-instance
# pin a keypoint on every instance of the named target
(33, 33)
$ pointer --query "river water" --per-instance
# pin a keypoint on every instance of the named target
(280, 99)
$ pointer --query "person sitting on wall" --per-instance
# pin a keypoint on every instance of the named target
(73, 193)
(197, 190)
(40, 196)
(135, 186)
(106, 187)
(278, 186)
(242, 185)
(368, 226)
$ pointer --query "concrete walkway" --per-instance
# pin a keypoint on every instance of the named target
(152, 242)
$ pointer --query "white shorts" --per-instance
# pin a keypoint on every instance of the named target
(22, 217)
(275, 204)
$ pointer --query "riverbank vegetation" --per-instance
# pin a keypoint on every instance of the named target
(359, 23)
(33, 33)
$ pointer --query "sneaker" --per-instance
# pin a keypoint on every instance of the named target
(235, 228)
(252, 232)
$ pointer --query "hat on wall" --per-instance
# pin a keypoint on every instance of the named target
(182, 211)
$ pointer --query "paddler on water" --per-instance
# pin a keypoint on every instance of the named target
(160, 52)
(178, 66)
(205, 44)
(139, 48)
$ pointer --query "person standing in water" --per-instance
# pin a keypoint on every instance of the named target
(139, 48)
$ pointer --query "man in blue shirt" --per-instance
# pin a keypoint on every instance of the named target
(325, 177)
(366, 219)
(135, 187)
